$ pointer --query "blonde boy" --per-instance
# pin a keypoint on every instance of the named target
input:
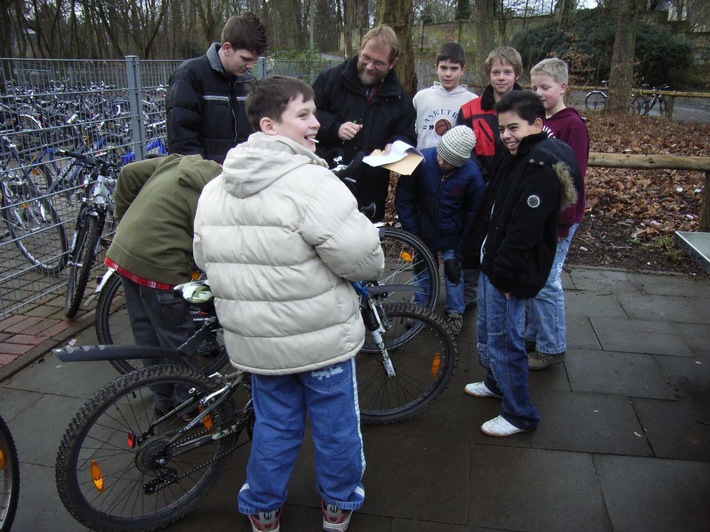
(546, 331)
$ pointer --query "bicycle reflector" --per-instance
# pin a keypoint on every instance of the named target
(96, 477)
(435, 364)
(2, 460)
(405, 256)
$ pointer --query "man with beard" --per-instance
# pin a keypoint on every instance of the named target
(362, 106)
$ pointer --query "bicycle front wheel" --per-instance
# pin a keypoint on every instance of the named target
(424, 363)
(595, 101)
(9, 477)
(123, 465)
(114, 327)
(638, 104)
(662, 106)
(81, 261)
(408, 261)
(34, 226)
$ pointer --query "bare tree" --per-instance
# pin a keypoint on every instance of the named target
(399, 14)
(622, 57)
(485, 41)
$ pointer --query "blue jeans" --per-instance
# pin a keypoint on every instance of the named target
(546, 311)
(454, 291)
(329, 397)
(501, 350)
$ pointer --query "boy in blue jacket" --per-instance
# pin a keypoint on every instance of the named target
(438, 203)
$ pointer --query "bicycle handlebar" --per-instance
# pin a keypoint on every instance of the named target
(90, 160)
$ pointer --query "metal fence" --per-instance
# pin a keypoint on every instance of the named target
(109, 108)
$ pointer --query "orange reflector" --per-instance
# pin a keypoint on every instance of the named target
(405, 256)
(131, 440)
(435, 365)
(207, 420)
(96, 477)
(2, 460)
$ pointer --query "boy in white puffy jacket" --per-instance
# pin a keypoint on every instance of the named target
(280, 238)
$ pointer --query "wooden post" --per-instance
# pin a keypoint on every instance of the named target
(705, 207)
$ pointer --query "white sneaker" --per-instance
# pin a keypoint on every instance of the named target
(500, 427)
(479, 389)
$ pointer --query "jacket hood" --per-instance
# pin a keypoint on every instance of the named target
(461, 89)
(195, 172)
(568, 193)
(213, 57)
(262, 159)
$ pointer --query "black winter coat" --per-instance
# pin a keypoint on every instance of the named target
(530, 190)
(205, 108)
(386, 115)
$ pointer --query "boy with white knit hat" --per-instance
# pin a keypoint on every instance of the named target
(438, 202)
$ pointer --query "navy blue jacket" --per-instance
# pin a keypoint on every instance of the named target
(439, 207)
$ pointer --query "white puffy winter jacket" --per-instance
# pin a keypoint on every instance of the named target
(279, 236)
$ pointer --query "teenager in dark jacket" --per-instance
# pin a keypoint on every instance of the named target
(205, 100)
(437, 203)
(531, 185)
(362, 106)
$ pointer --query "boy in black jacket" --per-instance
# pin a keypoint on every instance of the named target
(532, 183)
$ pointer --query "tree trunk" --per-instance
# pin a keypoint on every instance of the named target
(399, 14)
(348, 24)
(485, 42)
(622, 58)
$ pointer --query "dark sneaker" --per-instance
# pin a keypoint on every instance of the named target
(266, 521)
(538, 361)
(335, 519)
(455, 322)
(530, 345)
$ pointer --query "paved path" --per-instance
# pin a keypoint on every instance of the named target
(624, 442)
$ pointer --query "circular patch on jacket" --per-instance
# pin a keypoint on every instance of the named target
(534, 201)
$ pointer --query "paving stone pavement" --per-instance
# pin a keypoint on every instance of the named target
(623, 445)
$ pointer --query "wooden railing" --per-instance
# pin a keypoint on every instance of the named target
(671, 162)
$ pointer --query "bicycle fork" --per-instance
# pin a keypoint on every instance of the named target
(377, 326)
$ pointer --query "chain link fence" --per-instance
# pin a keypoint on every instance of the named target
(113, 109)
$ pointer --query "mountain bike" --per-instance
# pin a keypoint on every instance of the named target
(408, 260)
(9, 477)
(646, 102)
(123, 465)
(32, 222)
(96, 207)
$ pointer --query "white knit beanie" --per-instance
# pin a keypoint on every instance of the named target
(456, 145)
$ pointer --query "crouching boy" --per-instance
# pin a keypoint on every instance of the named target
(279, 237)
(530, 187)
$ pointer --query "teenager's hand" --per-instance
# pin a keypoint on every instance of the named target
(348, 130)
(506, 295)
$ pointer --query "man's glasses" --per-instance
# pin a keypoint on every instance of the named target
(379, 65)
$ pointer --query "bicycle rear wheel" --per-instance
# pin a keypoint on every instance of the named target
(114, 327)
(123, 466)
(81, 262)
(9, 477)
(34, 226)
(595, 101)
(424, 356)
(408, 261)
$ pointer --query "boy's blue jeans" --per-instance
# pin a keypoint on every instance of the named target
(501, 350)
(546, 311)
(454, 291)
(329, 397)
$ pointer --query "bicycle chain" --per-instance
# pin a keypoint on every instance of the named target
(155, 485)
